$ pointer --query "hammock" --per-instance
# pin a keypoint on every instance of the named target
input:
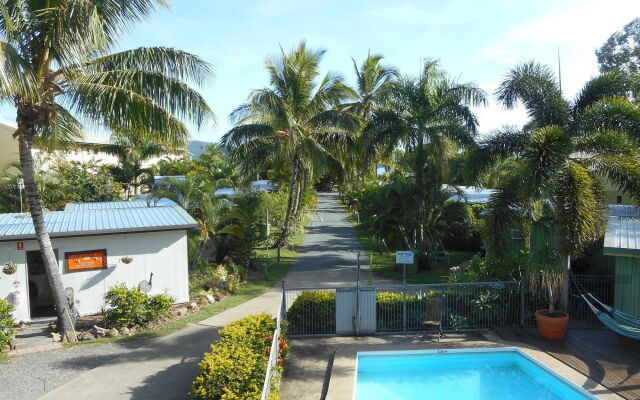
(631, 332)
(617, 313)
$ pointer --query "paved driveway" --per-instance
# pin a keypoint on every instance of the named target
(165, 368)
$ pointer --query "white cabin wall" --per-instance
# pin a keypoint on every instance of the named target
(163, 253)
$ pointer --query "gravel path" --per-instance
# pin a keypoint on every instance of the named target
(30, 376)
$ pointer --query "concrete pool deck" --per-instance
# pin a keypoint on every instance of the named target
(343, 371)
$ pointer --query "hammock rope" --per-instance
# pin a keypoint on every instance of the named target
(631, 331)
(624, 330)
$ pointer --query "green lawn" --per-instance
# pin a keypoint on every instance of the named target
(255, 286)
(385, 265)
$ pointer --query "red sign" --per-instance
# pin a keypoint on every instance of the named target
(84, 260)
(20, 245)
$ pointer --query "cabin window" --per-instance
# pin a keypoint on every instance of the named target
(618, 199)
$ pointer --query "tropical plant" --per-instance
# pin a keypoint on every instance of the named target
(298, 120)
(562, 156)
(430, 116)
(132, 153)
(57, 69)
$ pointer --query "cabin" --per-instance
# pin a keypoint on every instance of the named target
(622, 241)
(97, 245)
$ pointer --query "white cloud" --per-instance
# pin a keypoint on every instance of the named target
(495, 116)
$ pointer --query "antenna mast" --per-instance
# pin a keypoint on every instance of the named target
(559, 71)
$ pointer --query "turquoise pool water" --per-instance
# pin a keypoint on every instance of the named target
(459, 374)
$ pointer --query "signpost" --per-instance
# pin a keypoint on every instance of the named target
(404, 258)
(20, 183)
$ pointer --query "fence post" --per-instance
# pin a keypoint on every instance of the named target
(404, 297)
(284, 302)
(522, 297)
(357, 302)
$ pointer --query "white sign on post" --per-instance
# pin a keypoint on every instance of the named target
(404, 257)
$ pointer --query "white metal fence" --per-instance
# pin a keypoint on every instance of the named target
(274, 353)
(400, 308)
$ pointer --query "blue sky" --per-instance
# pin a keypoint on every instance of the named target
(475, 40)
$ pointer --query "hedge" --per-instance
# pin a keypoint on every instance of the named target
(237, 364)
(313, 312)
(7, 323)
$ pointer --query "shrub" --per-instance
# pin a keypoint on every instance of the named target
(236, 366)
(132, 307)
(7, 323)
(313, 312)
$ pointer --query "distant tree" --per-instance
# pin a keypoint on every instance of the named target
(132, 153)
(622, 49)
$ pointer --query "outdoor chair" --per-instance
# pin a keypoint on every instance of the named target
(432, 317)
(442, 253)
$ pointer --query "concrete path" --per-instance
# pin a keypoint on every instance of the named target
(165, 368)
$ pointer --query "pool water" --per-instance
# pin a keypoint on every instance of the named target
(479, 374)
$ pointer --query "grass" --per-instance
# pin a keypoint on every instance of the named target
(384, 264)
(255, 286)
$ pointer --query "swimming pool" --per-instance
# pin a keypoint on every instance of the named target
(470, 374)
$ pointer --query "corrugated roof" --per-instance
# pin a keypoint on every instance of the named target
(18, 226)
(623, 236)
(107, 205)
(472, 195)
(623, 210)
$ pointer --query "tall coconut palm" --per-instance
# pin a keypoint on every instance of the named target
(562, 156)
(296, 119)
(373, 82)
(57, 68)
(429, 116)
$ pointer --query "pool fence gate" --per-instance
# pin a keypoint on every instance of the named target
(411, 308)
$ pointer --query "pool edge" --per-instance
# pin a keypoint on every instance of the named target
(343, 372)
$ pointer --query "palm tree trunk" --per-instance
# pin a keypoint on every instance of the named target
(565, 264)
(302, 187)
(25, 139)
(284, 235)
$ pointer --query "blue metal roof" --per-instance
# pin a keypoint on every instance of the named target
(18, 226)
(622, 237)
(471, 195)
(623, 210)
(107, 205)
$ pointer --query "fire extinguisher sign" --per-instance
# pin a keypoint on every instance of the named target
(20, 245)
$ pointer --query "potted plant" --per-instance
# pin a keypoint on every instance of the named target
(546, 274)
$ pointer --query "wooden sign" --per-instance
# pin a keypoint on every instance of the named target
(86, 260)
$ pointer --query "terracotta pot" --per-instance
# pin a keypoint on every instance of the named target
(553, 328)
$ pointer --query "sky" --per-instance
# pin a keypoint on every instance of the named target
(475, 41)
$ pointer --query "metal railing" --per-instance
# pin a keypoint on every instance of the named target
(401, 308)
(464, 306)
(404, 308)
(274, 353)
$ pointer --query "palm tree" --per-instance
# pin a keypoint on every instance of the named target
(132, 153)
(430, 116)
(562, 155)
(374, 82)
(57, 69)
(296, 119)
